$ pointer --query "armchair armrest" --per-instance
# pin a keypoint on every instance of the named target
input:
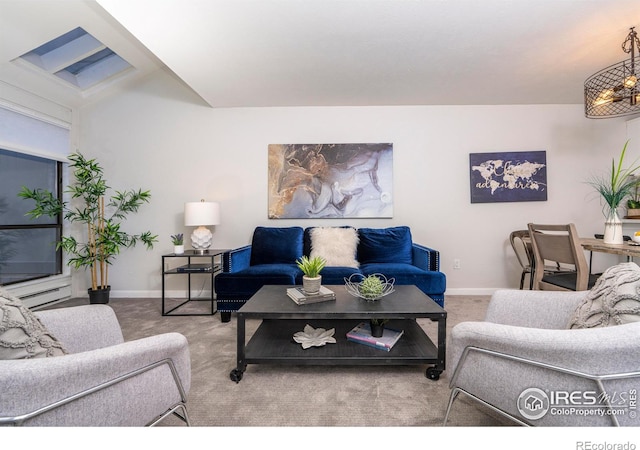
(105, 385)
(599, 360)
(595, 350)
(425, 258)
(83, 328)
(535, 309)
(237, 259)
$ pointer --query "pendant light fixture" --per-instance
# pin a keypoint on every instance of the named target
(614, 91)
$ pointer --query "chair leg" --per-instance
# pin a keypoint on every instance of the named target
(179, 410)
(522, 279)
(452, 397)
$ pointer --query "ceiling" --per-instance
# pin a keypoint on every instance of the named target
(241, 53)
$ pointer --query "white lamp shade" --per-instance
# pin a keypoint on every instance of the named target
(201, 213)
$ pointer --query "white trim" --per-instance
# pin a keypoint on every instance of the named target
(32, 105)
(33, 152)
(34, 114)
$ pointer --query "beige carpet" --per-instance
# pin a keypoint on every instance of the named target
(323, 396)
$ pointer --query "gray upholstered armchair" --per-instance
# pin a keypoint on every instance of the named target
(524, 363)
(103, 381)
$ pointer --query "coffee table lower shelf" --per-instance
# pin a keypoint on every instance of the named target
(273, 343)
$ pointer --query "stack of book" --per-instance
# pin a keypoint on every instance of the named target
(194, 268)
(298, 295)
(362, 335)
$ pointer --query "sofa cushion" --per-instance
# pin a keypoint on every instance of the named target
(334, 274)
(248, 281)
(385, 245)
(336, 245)
(22, 335)
(613, 300)
(276, 245)
(428, 281)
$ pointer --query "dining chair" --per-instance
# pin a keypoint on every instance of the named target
(560, 244)
(521, 244)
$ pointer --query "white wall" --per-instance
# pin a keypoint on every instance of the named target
(159, 136)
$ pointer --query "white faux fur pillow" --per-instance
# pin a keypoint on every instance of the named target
(336, 245)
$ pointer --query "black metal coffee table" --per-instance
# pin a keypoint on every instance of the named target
(273, 343)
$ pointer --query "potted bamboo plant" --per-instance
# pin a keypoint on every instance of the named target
(102, 220)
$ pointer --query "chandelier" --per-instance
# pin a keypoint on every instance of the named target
(614, 91)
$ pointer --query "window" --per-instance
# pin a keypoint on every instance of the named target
(27, 246)
(77, 58)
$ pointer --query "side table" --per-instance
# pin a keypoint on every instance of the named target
(197, 264)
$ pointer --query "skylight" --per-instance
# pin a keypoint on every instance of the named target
(77, 58)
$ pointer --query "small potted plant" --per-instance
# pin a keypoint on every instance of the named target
(311, 267)
(178, 243)
(377, 327)
(633, 204)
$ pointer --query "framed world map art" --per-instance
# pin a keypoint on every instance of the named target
(508, 177)
(330, 181)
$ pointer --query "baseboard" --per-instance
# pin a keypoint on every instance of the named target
(181, 293)
(472, 291)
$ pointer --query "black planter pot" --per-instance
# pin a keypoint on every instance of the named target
(377, 329)
(99, 296)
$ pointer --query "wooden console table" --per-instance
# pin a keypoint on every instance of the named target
(598, 245)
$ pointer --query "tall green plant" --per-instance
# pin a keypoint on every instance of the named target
(102, 220)
(618, 184)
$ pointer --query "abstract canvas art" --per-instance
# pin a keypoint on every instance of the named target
(330, 181)
(508, 177)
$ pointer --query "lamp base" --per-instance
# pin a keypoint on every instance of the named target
(201, 239)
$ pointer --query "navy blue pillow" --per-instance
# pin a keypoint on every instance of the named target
(276, 245)
(385, 245)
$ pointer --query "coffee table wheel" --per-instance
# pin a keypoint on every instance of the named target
(236, 375)
(433, 373)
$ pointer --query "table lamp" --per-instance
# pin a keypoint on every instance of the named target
(201, 214)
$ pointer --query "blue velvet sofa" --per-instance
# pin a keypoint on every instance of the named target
(271, 259)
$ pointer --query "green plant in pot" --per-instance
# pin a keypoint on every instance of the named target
(311, 267)
(377, 327)
(614, 188)
(178, 243)
(102, 221)
(372, 287)
(633, 204)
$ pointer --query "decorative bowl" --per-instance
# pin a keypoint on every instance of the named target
(353, 283)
